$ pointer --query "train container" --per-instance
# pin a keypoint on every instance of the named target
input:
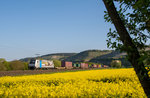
(84, 65)
(66, 64)
(94, 66)
(35, 64)
(105, 66)
(98, 66)
(90, 66)
(76, 65)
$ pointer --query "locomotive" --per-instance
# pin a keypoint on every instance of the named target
(37, 64)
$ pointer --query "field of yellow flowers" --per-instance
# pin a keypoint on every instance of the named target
(91, 83)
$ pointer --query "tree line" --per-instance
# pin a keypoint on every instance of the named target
(12, 65)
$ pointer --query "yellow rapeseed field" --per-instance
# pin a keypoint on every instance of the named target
(92, 83)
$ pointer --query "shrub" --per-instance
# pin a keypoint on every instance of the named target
(7, 65)
(2, 67)
(17, 65)
(57, 63)
(2, 60)
(25, 66)
(115, 63)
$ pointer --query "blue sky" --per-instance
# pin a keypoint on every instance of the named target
(28, 27)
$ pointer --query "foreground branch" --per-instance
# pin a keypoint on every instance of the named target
(131, 49)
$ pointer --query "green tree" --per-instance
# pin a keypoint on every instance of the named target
(7, 65)
(2, 60)
(2, 67)
(116, 63)
(129, 36)
(17, 65)
(25, 65)
(57, 63)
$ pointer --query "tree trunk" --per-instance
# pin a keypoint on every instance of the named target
(131, 49)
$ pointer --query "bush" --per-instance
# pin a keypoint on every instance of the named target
(57, 63)
(2, 60)
(17, 65)
(26, 65)
(115, 63)
(13, 65)
(7, 65)
(2, 67)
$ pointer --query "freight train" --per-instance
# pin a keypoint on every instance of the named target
(41, 64)
(69, 65)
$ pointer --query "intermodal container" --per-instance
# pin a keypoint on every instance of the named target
(94, 66)
(84, 65)
(106, 66)
(98, 66)
(66, 64)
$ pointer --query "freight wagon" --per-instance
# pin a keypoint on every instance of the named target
(84, 65)
(99, 66)
(67, 65)
(94, 65)
(36, 64)
(76, 65)
(105, 66)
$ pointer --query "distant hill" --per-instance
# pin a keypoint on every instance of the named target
(87, 55)
(114, 55)
(56, 56)
(96, 56)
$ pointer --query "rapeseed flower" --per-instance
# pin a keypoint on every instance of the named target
(93, 83)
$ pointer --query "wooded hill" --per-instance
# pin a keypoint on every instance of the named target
(96, 56)
(56, 56)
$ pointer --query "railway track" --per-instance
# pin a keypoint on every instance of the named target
(32, 72)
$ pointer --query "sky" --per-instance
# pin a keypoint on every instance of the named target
(29, 27)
